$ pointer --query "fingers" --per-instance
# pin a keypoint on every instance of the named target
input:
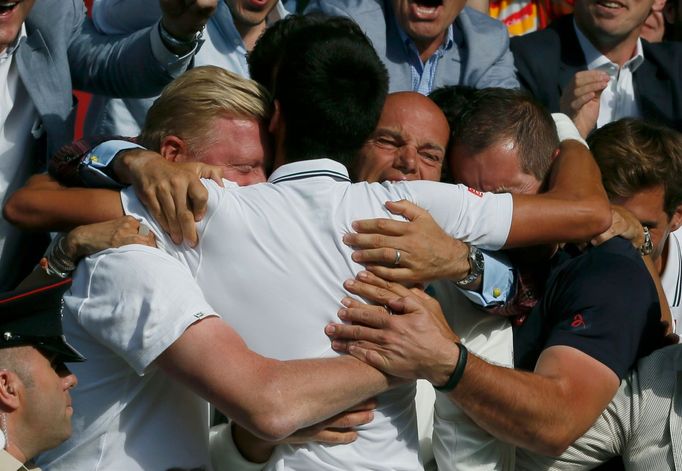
(212, 172)
(198, 198)
(383, 226)
(375, 289)
(409, 211)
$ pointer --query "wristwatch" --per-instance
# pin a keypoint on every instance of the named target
(647, 246)
(476, 266)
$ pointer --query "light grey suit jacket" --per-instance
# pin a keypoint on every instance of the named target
(483, 60)
(63, 51)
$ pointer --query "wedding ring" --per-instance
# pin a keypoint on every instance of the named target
(396, 262)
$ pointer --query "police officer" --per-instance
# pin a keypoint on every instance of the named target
(35, 406)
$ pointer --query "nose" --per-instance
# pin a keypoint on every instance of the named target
(69, 380)
(406, 160)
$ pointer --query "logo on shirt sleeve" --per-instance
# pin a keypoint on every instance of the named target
(474, 191)
(578, 322)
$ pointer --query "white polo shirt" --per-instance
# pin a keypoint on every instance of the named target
(271, 260)
(124, 308)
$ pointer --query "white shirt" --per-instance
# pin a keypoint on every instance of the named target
(271, 260)
(221, 46)
(671, 279)
(125, 307)
(618, 98)
(459, 444)
(19, 129)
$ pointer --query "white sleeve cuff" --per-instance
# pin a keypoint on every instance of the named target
(566, 129)
(173, 64)
(498, 281)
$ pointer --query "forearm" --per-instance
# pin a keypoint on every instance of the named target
(575, 207)
(61, 209)
(270, 398)
(303, 393)
(542, 411)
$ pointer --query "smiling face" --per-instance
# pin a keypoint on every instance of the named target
(12, 15)
(608, 22)
(409, 142)
(425, 21)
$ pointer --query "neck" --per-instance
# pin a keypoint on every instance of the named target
(14, 450)
(427, 48)
(250, 33)
(617, 50)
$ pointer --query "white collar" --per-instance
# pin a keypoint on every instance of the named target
(597, 60)
(9, 52)
(309, 169)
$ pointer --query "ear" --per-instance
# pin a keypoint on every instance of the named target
(276, 119)
(175, 149)
(676, 219)
(10, 385)
(555, 154)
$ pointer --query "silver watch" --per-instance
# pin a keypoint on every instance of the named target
(647, 247)
(476, 266)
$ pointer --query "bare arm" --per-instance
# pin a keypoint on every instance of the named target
(575, 208)
(43, 204)
(270, 398)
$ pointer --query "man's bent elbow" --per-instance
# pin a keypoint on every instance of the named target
(19, 213)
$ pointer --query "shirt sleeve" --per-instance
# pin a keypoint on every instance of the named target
(95, 170)
(605, 308)
(481, 219)
(136, 301)
(498, 281)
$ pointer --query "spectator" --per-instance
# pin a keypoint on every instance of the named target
(229, 36)
(45, 51)
(35, 406)
(641, 167)
(593, 66)
(428, 44)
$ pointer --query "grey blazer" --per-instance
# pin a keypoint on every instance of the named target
(63, 51)
(483, 59)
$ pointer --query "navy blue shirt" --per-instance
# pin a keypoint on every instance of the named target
(602, 302)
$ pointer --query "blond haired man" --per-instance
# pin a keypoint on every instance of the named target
(198, 118)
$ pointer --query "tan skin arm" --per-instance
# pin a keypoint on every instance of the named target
(270, 398)
(567, 387)
(45, 205)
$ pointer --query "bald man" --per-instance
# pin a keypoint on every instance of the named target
(409, 142)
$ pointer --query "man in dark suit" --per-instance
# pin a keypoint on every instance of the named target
(593, 66)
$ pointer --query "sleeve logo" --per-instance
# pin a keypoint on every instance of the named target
(474, 191)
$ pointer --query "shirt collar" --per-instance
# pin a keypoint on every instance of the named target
(9, 52)
(597, 60)
(277, 13)
(309, 169)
